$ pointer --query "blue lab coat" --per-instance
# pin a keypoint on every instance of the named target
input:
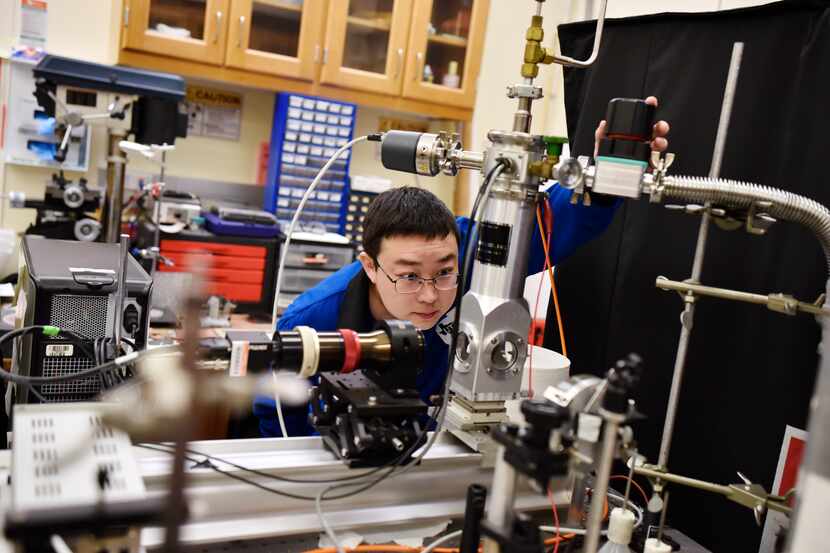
(342, 301)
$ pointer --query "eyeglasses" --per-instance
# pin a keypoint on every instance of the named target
(413, 284)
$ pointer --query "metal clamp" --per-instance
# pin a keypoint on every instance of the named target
(660, 164)
(750, 495)
(524, 91)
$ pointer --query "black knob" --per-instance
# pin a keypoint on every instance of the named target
(629, 119)
(623, 378)
(542, 414)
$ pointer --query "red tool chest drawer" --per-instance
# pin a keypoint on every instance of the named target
(220, 248)
(241, 269)
(225, 275)
(182, 261)
(250, 293)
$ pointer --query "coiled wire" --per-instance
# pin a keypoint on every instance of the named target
(743, 195)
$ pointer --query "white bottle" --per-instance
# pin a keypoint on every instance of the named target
(620, 528)
(451, 77)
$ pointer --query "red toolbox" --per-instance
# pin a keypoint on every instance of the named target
(239, 268)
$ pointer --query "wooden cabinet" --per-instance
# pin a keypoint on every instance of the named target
(419, 56)
(280, 37)
(189, 29)
(445, 47)
(365, 44)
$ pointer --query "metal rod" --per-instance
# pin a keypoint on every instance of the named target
(606, 459)
(683, 481)
(776, 302)
(114, 199)
(687, 318)
(663, 516)
(121, 289)
(177, 505)
(502, 495)
(522, 117)
(565, 60)
(628, 482)
(154, 258)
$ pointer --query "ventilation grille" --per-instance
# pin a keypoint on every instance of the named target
(83, 389)
(86, 315)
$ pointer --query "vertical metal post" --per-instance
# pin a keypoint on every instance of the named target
(121, 289)
(116, 164)
(593, 528)
(502, 495)
(687, 317)
(155, 251)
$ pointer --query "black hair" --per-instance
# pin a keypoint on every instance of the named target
(406, 211)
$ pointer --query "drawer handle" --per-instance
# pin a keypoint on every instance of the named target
(218, 27)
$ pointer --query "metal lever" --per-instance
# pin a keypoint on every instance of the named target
(60, 153)
(121, 290)
(781, 303)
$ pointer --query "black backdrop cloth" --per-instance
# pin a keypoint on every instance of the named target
(750, 372)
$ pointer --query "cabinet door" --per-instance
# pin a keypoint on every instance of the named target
(190, 29)
(444, 53)
(365, 41)
(281, 37)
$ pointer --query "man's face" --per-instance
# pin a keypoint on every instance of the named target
(408, 256)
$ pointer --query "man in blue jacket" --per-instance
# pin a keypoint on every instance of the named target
(409, 270)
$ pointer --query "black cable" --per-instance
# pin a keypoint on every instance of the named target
(29, 380)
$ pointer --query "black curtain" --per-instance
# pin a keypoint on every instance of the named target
(750, 371)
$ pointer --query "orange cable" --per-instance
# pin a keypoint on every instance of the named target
(549, 268)
(381, 549)
(634, 482)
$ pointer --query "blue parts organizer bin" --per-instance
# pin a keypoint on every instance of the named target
(306, 132)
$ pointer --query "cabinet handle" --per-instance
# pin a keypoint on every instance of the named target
(316, 53)
(399, 65)
(241, 31)
(419, 58)
(218, 27)
(325, 55)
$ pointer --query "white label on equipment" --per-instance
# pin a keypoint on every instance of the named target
(589, 426)
(618, 178)
(59, 350)
(238, 365)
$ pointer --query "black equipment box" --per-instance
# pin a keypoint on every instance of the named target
(73, 285)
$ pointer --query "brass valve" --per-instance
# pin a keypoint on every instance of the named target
(535, 53)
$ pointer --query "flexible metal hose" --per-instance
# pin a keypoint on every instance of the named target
(742, 195)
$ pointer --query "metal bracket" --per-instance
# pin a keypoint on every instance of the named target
(759, 222)
(660, 164)
(524, 91)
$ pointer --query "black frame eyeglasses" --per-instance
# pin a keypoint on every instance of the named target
(414, 284)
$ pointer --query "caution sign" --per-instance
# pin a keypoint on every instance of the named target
(213, 113)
